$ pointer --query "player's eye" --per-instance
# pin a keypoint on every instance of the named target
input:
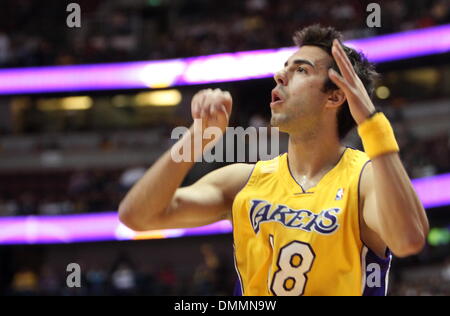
(302, 70)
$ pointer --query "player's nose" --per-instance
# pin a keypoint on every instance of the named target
(280, 77)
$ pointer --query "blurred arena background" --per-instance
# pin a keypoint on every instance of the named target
(68, 155)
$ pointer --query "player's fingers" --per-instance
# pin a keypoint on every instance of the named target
(195, 112)
(211, 110)
(197, 103)
(196, 106)
(344, 56)
(204, 105)
(228, 102)
(339, 80)
(202, 111)
(343, 62)
(223, 109)
(224, 97)
(342, 66)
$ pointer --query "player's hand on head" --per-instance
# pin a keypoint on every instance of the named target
(212, 107)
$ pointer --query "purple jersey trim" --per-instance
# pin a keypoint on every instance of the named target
(237, 289)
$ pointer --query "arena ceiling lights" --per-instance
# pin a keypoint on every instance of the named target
(206, 69)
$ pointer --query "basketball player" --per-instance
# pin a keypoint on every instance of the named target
(322, 219)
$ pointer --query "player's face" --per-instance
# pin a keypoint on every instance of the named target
(298, 100)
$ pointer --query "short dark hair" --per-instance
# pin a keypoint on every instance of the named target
(323, 37)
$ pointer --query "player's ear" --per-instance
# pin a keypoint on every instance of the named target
(336, 98)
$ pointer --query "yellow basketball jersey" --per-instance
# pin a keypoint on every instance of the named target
(291, 242)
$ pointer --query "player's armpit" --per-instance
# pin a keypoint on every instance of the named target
(207, 201)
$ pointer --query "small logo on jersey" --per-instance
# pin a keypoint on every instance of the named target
(325, 223)
(340, 194)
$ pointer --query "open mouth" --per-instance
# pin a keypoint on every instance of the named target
(276, 97)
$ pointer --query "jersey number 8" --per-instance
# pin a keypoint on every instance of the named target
(294, 262)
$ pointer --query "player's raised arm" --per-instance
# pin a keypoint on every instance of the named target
(391, 207)
(157, 202)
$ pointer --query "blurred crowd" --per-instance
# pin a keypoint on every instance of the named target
(85, 191)
(35, 35)
(213, 276)
(425, 158)
(432, 279)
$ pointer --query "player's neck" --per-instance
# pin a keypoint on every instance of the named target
(315, 156)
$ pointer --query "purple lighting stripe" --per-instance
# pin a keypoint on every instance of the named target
(85, 228)
(206, 69)
(90, 77)
(58, 229)
(433, 191)
(235, 66)
(405, 45)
